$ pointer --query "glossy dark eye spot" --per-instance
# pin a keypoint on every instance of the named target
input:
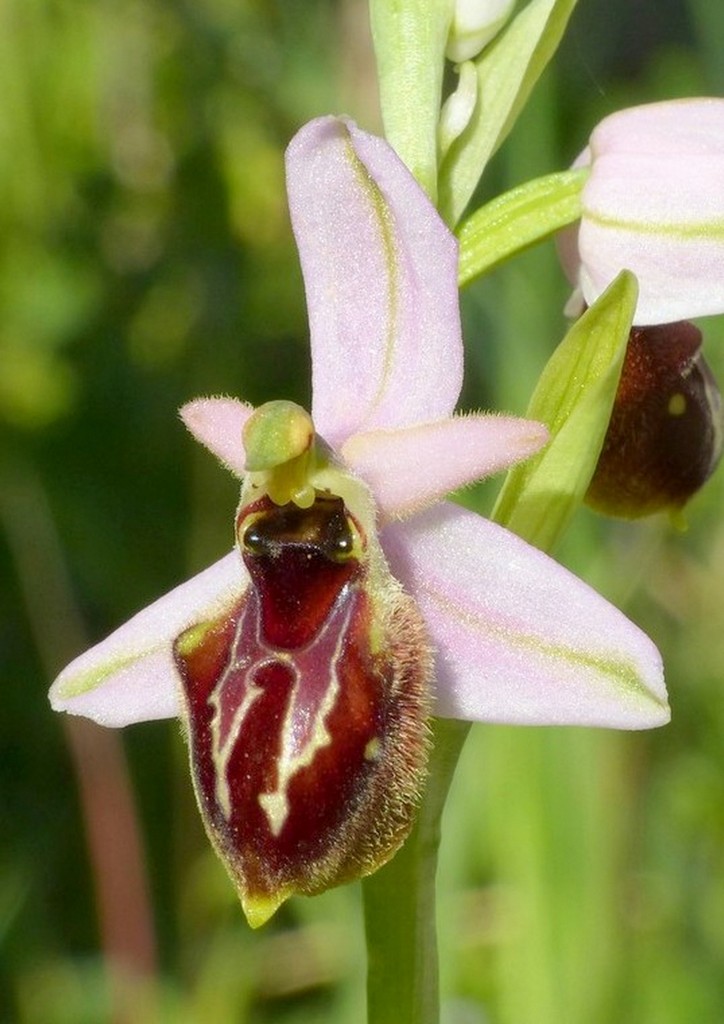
(253, 540)
(338, 543)
(326, 530)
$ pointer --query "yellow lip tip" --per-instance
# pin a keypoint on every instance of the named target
(259, 908)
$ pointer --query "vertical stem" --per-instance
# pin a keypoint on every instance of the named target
(399, 904)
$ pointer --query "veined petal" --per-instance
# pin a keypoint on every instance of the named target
(380, 272)
(131, 676)
(654, 204)
(409, 469)
(519, 638)
(631, 218)
(218, 424)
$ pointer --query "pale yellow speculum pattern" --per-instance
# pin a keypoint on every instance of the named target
(222, 750)
(275, 804)
(677, 405)
(276, 808)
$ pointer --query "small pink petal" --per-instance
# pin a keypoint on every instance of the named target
(414, 467)
(380, 272)
(218, 424)
(519, 638)
(131, 676)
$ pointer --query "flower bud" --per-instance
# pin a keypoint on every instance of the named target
(474, 24)
(458, 108)
(664, 438)
(307, 706)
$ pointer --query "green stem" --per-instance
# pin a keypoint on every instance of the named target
(399, 903)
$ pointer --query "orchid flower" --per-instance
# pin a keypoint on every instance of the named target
(654, 204)
(356, 602)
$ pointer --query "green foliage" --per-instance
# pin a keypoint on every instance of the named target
(507, 72)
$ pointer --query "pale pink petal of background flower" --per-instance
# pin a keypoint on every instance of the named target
(654, 204)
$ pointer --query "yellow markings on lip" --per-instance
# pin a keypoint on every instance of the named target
(275, 803)
(276, 807)
(677, 405)
(222, 750)
(373, 749)
(192, 638)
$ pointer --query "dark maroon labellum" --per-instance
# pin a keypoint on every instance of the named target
(664, 438)
(306, 707)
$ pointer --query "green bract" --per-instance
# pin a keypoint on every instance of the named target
(574, 398)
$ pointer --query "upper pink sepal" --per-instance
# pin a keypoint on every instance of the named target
(218, 424)
(131, 676)
(519, 638)
(380, 273)
(410, 469)
(654, 204)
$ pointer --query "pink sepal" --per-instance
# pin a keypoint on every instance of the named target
(380, 273)
(519, 639)
(131, 676)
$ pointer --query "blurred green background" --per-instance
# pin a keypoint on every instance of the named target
(146, 258)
